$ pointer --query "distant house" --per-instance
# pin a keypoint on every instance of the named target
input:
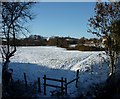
(104, 40)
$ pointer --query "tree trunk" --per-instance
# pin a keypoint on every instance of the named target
(112, 65)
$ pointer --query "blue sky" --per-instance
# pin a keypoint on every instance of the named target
(62, 19)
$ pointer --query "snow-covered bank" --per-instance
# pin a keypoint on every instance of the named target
(58, 62)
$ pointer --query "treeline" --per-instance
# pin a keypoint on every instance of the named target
(82, 44)
(88, 48)
(32, 40)
(62, 41)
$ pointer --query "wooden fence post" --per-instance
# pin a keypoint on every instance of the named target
(25, 79)
(39, 85)
(44, 84)
(62, 85)
(77, 76)
(66, 86)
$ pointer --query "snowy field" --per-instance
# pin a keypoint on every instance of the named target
(57, 62)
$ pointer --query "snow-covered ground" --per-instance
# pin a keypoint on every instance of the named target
(57, 62)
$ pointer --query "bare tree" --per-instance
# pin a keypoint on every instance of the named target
(14, 15)
(105, 16)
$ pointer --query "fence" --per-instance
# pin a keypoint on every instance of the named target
(52, 79)
(63, 82)
(76, 79)
(25, 78)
